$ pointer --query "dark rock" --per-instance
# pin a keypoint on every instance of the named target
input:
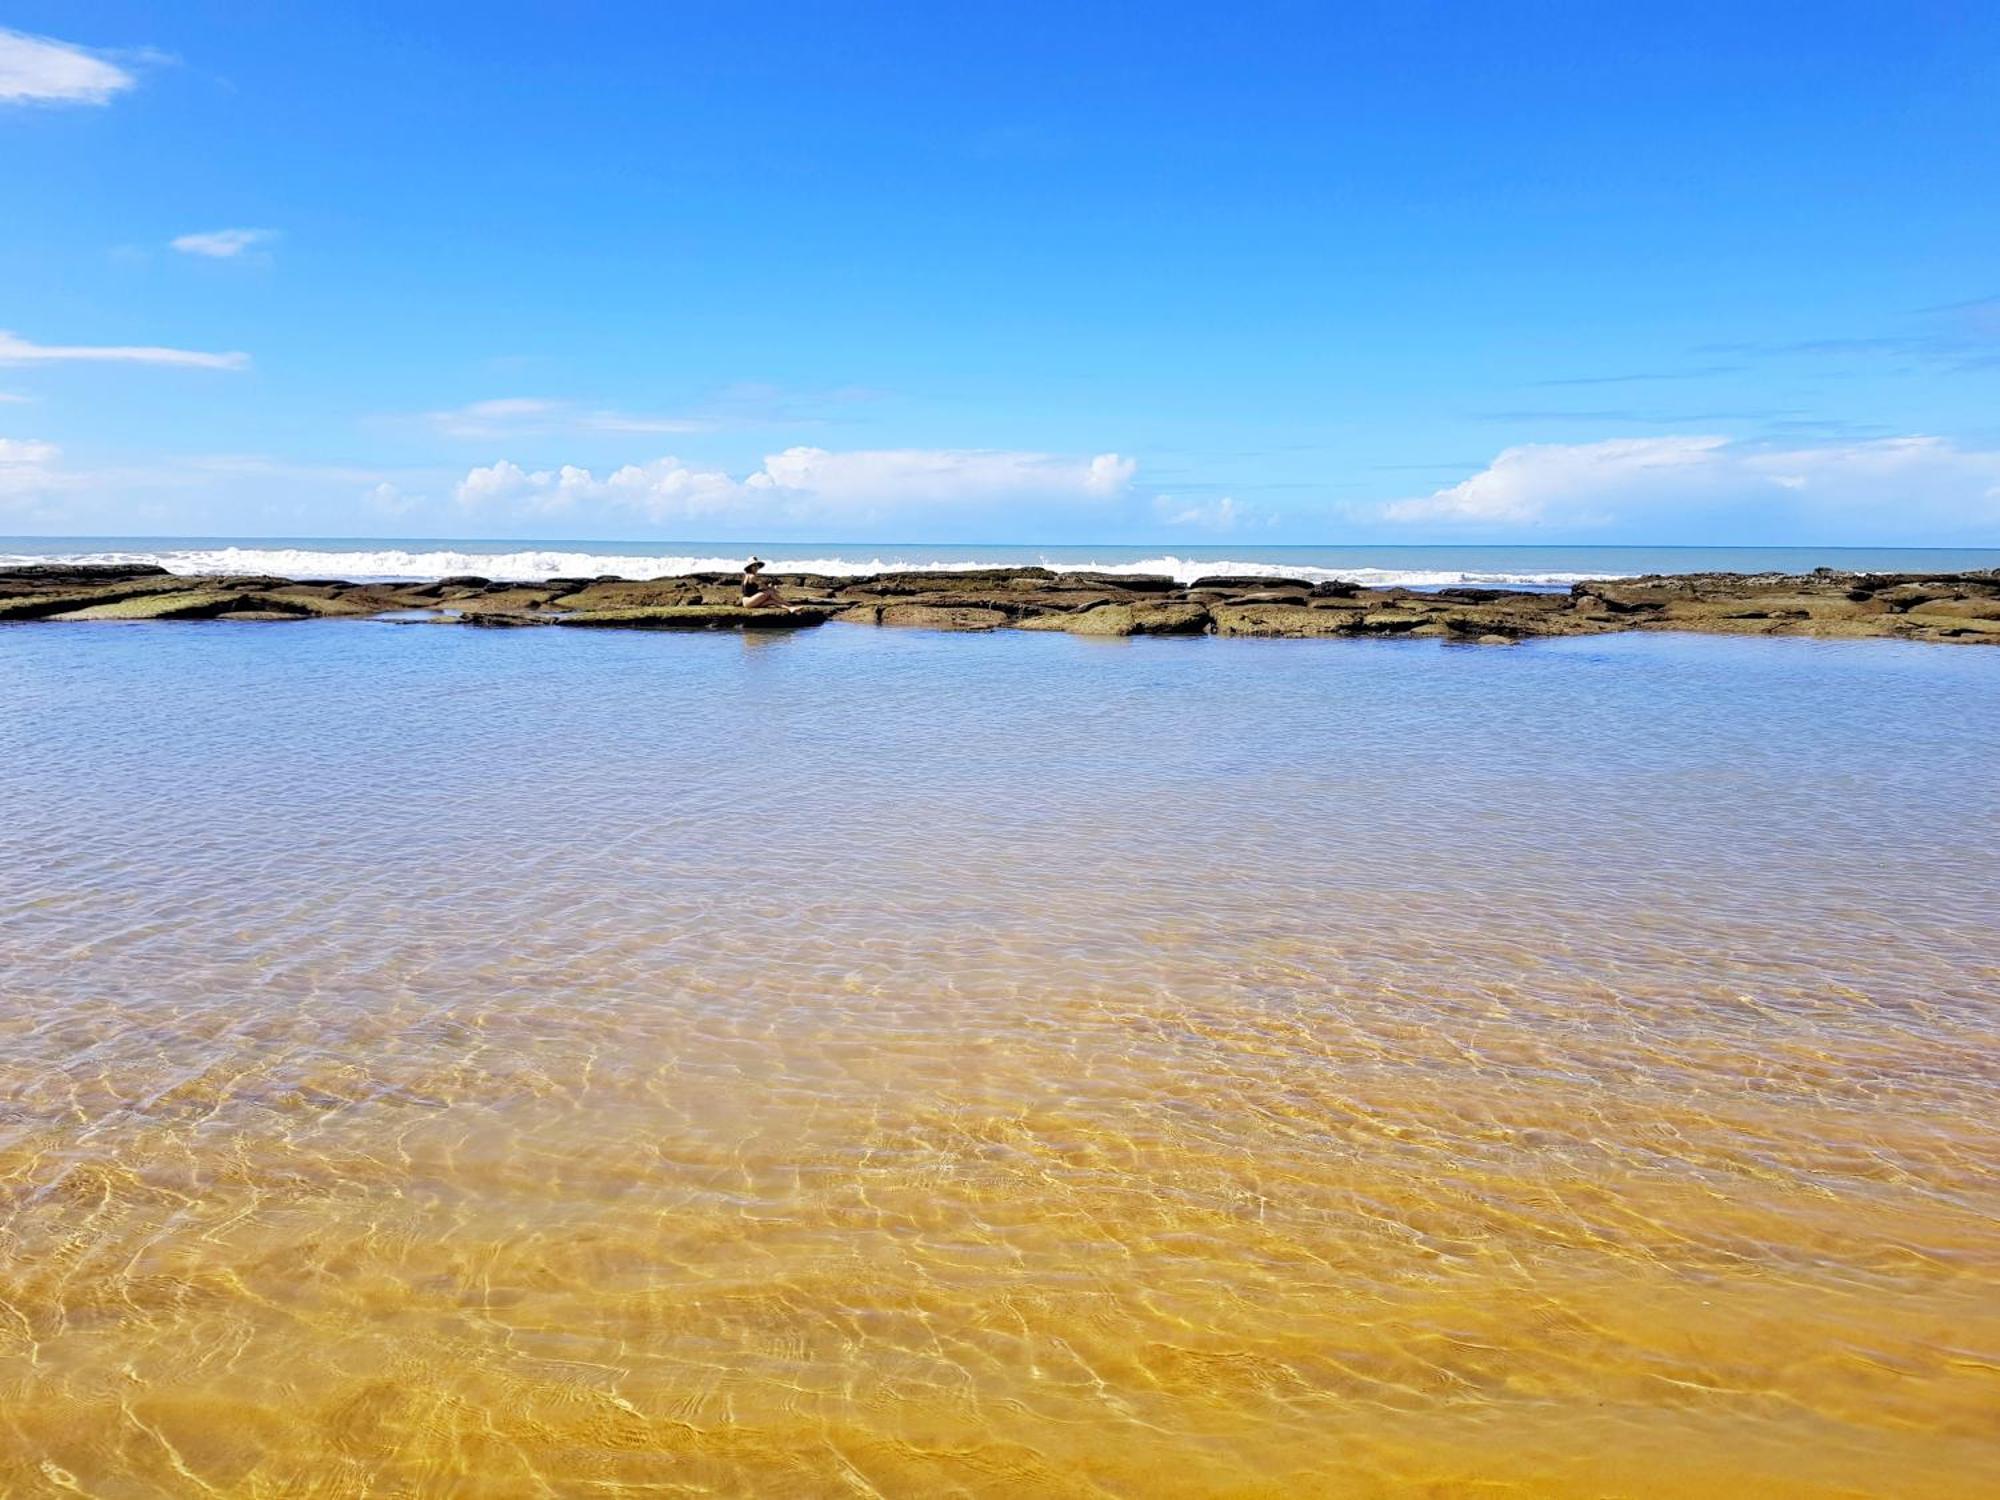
(45, 574)
(501, 618)
(1129, 583)
(1232, 583)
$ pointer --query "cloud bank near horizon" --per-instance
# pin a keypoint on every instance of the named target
(801, 484)
(1912, 490)
(1894, 485)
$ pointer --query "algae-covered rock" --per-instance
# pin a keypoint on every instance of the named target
(982, 580)
(187, 604)
(942, 616)
(67, 601)
(1960, 609)
(1284, 620)
(1147, 617)
(602, 595)
(299, 605)
(194, 604)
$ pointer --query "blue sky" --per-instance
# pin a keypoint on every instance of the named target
(1410, 272)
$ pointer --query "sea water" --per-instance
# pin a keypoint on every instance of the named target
(445, 1062)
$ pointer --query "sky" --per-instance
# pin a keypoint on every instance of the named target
(1079, 272)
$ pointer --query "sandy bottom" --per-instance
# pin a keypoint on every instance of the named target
(884, 1064)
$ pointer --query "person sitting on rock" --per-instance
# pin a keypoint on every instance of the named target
(757, 594)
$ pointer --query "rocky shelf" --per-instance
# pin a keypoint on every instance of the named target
(1962, 607)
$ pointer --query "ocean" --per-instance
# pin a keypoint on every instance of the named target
(1411, 567)
(440, 1061)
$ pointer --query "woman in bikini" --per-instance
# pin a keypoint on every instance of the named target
(757, 594)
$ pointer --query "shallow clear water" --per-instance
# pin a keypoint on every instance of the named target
(446, 1062)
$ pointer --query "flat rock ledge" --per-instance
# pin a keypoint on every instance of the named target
(1957, 607)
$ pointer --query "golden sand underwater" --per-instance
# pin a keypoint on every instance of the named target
(912, 1066)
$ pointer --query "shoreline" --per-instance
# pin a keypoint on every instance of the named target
(1961, 608)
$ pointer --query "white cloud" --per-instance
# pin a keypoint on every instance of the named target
(26, 451)
(892, 475)
(222, 244)
(28, 472)
(260, 466)
(41, 70)
(512, 416)
(618, 421)
(44, 489)
(1212, 515)
(805, 483)
(1537, 481)
(662, 490)
(488, 419)
(18, 351)
(390, 499)
(738, 406)
(1919, 488)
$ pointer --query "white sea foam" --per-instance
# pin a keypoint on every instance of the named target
(396, 564)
